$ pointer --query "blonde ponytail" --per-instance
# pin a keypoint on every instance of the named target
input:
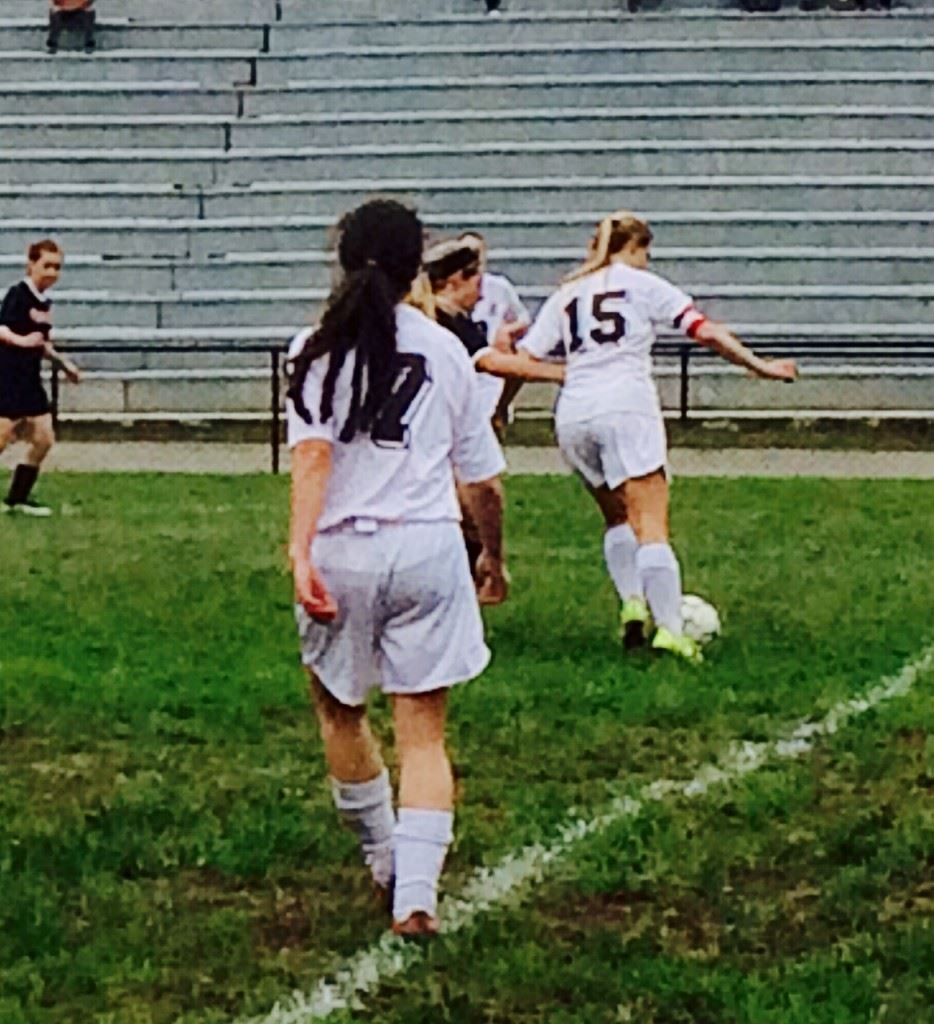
(422, 296)
(613, 234)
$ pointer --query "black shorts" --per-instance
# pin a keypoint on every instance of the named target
(20, 403)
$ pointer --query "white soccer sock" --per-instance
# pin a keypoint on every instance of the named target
(619, 550)
(422, 840)
(366, 807)
(660, 574)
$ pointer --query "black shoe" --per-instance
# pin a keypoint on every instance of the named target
(634, 636)
(90, 46)
(51, 48)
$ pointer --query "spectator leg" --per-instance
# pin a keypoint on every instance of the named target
(89, 19)
(56, 23)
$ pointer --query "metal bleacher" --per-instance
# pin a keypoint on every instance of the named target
(193, 167)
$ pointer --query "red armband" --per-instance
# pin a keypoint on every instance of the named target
(690, 321)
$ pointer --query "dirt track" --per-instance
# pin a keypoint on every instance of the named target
(249, 458)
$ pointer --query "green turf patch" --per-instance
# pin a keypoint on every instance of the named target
(168, 850)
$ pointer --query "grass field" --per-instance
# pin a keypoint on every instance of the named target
(169, 853)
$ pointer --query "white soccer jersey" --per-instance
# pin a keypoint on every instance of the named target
(603, 326)
(499, 304)
(431, 426)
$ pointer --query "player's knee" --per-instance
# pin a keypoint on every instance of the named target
(338, 720)
(649, 524)
(335, 718)
(41, 444)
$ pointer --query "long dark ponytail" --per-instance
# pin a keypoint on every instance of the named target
(379, 249)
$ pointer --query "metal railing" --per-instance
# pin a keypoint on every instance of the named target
(686, 353)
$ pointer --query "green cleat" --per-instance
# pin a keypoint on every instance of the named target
(634, 623)
(682, 646)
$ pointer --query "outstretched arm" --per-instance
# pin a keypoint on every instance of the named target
(717, 337)
(519, 365)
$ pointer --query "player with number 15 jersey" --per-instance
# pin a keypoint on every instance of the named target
(608, 419)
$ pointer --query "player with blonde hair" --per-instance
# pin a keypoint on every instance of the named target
(602, 323)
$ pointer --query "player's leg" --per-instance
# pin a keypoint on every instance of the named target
(426, 816)
(359, 779)
(430, 638)
(647, 499)
(39, 434)
(585, 447)
(7, 432)
(341, 664)
(619, 551)
(502, 417)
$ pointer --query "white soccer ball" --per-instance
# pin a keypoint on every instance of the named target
(701, 619)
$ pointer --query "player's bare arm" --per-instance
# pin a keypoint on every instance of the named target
(717, 337)
(520, 366)
(509, 333)
(71, 371)
(485, 504)
(8, 337)
(311, 472)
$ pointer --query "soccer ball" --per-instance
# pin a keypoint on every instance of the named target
(701, 620)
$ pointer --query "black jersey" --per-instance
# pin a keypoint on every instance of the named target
(24, 311)
(472, 335)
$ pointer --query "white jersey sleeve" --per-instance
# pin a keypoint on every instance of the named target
(403, 468)
(516, 309)
(666, 305)
(545, 338)
(476, 453)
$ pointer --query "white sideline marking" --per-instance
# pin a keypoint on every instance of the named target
(493, 887)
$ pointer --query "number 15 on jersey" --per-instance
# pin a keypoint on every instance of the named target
(603, 323)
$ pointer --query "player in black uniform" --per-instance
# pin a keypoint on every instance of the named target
(25, 411)
(454, 270)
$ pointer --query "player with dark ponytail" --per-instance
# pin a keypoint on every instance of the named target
(379, 251)
(383, 410)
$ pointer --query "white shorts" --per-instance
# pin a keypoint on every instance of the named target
(614, 448)
(408, 620)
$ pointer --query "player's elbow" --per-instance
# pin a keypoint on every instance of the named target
(496, 363)
(709, 332)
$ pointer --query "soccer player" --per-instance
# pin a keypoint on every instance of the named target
(608, 419)
(383, 410)
(26, 322)
(454, 271)
(499, 304)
